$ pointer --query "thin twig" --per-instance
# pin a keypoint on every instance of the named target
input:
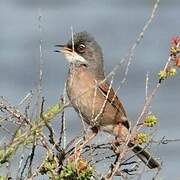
(41, 63)
(164, 140)
(62, 124)
(51, 132)
(132, 49)
(32, 156)
(146, 87)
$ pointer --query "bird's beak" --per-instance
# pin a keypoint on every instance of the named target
(70, 55)
(63, 49)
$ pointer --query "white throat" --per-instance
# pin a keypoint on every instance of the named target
(74, 57)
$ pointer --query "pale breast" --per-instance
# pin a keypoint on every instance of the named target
(80, 92)
(89, 101)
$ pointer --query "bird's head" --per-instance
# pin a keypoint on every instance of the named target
(83, 50)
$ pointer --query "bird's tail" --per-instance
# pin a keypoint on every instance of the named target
(145, 156)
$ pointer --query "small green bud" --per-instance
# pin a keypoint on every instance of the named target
(141, 138)
(162, 75)
(151, 120)
(172, 72)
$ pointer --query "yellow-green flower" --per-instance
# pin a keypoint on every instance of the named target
(174, 50)
(151, 120)
(171, 72)
(141, 138)
(162, 75)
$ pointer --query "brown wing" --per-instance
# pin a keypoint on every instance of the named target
(113, 100)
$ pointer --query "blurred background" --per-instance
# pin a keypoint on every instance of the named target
(115, 25)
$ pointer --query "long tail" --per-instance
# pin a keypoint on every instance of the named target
(145, 156)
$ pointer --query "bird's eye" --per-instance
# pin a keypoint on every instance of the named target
(81, 48)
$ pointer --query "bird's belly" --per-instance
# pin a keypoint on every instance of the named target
(80, 94)
(89, 102)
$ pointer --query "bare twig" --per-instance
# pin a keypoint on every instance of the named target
(20, 166)
(62, 125)
(51, 132)
(14, 112)
(41, 63)
(131, 53)
(164, 140)
(32, 156)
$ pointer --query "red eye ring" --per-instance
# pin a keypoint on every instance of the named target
(81, 48)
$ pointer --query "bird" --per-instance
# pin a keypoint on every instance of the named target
(92, 97)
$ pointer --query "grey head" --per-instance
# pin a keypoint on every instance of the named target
(83, 50)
